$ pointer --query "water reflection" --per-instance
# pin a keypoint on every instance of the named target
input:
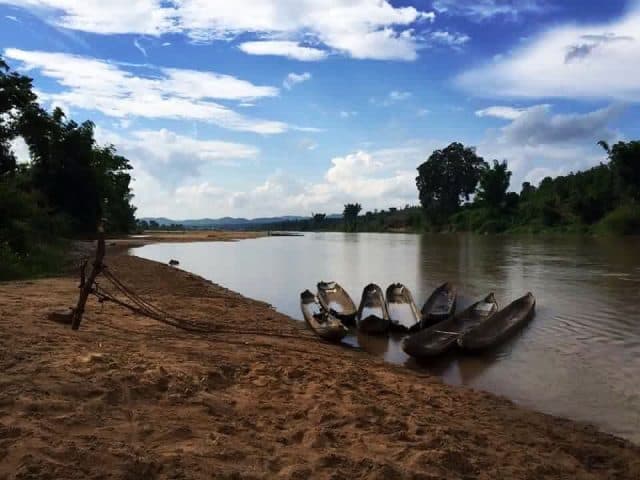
(578, 358)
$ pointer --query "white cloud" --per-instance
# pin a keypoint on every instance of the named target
(308, 144)
(450, 39)
(347, 114)
(375, 178)
(12, 18)
(371, 178)
(567, 61)
(536, 175)
(373, 29)
(20, 150)
(506, 113)
(479, 10)
(397, 96)
(392, 97)
(166, 145)
(537, 143)
(423, 112)
(170, 157)
(536, 126)
(112, 17)
(93, 84)
(283, 48)
(139, 47)
(294, 79)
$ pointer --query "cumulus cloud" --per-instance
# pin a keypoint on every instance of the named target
(170, 157)
(293, 79)
(373, 29)
(567, 61)
(371, 178)
(283, 48)
(538, 143)
(537, 125)
(450, 39)
(94, 84)
(375, 178)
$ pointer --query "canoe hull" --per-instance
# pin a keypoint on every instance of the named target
(322, 323)
(503, 325)
(440, 305)
(403, 313)
(443, 336)
(373, 324)
(372, 316)
(335, 300)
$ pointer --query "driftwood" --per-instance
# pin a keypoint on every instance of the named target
(86, 284)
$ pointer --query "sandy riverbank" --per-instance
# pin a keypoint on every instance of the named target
(126, 397)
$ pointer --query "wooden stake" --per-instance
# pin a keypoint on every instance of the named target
(87, 286)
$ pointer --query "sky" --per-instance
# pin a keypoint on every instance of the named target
(257, 108)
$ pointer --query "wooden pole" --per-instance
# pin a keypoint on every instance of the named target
(87, 286)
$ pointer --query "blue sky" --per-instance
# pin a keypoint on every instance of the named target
(269, 107)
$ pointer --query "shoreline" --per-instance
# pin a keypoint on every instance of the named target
(128, 397)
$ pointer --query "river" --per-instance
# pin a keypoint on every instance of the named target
(579, 358)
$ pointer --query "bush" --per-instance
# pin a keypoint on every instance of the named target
(42, 260)
(624, 220)
(493, 226)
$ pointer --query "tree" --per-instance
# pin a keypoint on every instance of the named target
(317, 219)
(494, 183)
(350, 214)
(447, 177)
(70, 173)
(625, 162)
(16, 96)
(527, 191)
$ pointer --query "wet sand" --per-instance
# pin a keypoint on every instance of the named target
(128, 397)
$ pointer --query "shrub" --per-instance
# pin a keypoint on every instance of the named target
(624, 220)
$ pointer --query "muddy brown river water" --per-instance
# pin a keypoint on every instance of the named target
(579, 358)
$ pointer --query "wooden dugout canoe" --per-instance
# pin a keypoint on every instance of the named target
(335, 300)
(325, 325)
(500, 326)
(372, 316)
(403, 312)
(438, 338)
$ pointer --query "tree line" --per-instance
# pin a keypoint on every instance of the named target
(69, 184)
(459, 191)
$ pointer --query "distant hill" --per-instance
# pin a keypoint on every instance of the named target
(224, 222)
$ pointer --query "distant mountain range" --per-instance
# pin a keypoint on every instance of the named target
(226, 222)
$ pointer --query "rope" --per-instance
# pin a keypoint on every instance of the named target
(142, 307)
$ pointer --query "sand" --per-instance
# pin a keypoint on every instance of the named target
(127, 397)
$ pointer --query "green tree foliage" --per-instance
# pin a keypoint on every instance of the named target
(446, 178)
(350, 215)
(318, 219)
(494, 183)
(70, 183)
(625, 162)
